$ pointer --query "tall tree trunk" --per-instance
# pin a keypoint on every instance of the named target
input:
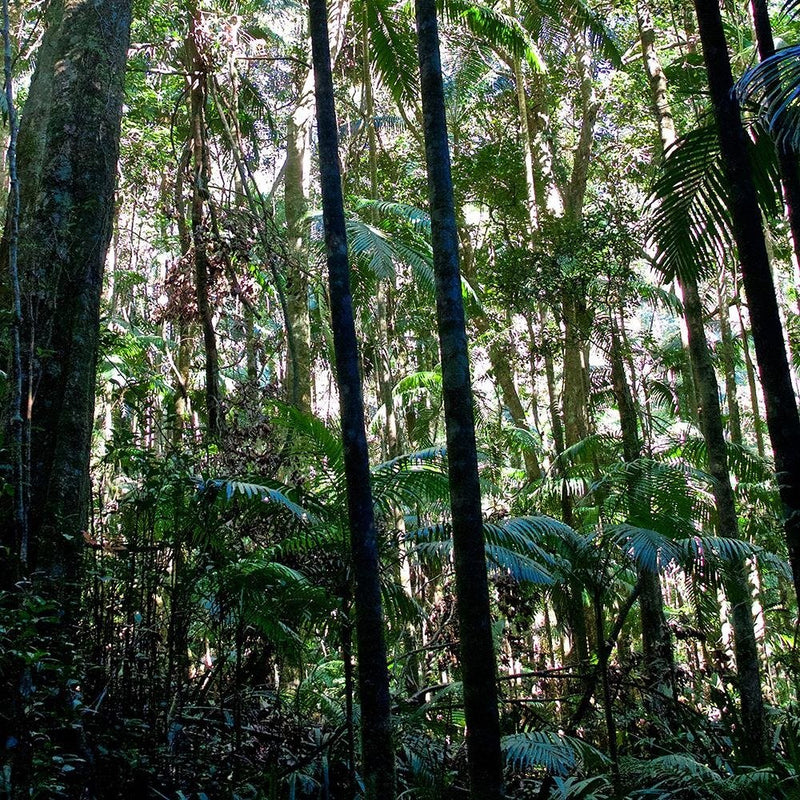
(298, 162)
(67, 156)
(727, 350)
(373, 674)
(477, 652)
(751, 380)
(782, 417)
(713, 433)
(296, 187)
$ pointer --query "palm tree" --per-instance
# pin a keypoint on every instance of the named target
(477, 651)
(373, 674)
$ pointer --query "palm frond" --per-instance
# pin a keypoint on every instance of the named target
(772, 90)
(557, 753)
(715, 550)
(649, 549)
(274, 494)
(688, 217)
(392, 50)
(553, 19)
(499, 30)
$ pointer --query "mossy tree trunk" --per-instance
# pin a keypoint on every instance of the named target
(67, 157)
(68, 148)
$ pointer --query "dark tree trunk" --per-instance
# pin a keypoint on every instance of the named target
(477, 652)
(787, 158)
(373, 674)
(782, 418)
(656, 639)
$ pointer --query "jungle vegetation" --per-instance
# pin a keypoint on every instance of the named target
(399, 399)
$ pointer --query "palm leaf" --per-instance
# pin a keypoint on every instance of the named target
(392, 50)
(553, 20)
(557, 753)
(647, 548)
(772, 90)
(499, 30)
(688, 218)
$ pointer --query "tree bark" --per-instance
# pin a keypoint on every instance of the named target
(781, 407)
(477, 652)
(67, 154)
(373, 674)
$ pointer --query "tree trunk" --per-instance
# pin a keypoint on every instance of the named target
(656, 639)
(782, 417)
(298, 158)
(477, 652)
(67, 157)
(753, 741)
(296, 187)
(727, 351)
(373, 674)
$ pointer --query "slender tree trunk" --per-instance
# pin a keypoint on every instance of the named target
(477, 652)
(298, 164)
(19, 423)
(373, 675)
(713, 433)
(729, 362)
(296, 187)
(754, 739)
(782, 417)
(751, 381)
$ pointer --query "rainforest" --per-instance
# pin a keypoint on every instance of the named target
(399, 400)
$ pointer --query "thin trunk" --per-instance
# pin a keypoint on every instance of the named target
(727, 350)
(754, 741)
(656, 639)
(298, 163)
(373, 675)
(477, 652)
(751, 382)
(19, 422)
